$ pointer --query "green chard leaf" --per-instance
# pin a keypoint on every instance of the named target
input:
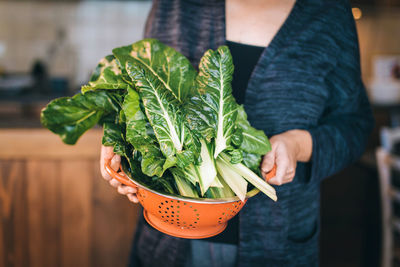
(107, 75)
(132, 165)
(153, 161)
(237, 136)
(161, 108)
(70, 117)
(165, 115)
(168, 66)
(139, 134)
(254, 141)
(113, 135)
(236, 155)
(252, 161)
(213, 110)
(138, 129)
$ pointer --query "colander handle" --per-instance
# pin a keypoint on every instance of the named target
(271, 173)
(122, 179)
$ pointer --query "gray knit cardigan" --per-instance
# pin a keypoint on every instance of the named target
(307, 78)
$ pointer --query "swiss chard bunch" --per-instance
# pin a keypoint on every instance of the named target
(179, 131)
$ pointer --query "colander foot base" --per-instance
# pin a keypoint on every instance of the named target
(182, 232)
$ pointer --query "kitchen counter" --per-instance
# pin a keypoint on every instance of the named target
(55, 208)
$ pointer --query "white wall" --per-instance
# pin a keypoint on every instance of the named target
(28, 29)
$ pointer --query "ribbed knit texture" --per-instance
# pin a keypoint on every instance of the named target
(307, 78)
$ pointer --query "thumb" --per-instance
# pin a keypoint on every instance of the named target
(268, 162)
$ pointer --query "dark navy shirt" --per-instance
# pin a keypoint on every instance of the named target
(245, 58)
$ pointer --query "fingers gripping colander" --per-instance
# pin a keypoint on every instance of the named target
(183, 217)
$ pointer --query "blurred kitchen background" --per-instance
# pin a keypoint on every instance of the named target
(55, 210)
(50, 48)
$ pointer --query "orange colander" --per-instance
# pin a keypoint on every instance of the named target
(181, 216)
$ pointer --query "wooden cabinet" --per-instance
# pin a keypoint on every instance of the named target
(55, 209)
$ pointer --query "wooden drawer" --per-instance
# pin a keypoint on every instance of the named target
(55, 209)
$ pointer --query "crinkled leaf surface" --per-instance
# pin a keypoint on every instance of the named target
(153, 161)
(236, 156)
(237, 136)
(160, 184)
(254, 141)
(107, 75)
(213, 110)
(113, 135)
(162, 109)
(165, 115)
(138, 130)
(139, 134)
(168, 66)
(70, 117)
(252, 161)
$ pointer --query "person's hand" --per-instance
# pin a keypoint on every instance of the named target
(107, 154)
(286, 149)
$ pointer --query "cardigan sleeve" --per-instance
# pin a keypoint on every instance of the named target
(342, 132)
